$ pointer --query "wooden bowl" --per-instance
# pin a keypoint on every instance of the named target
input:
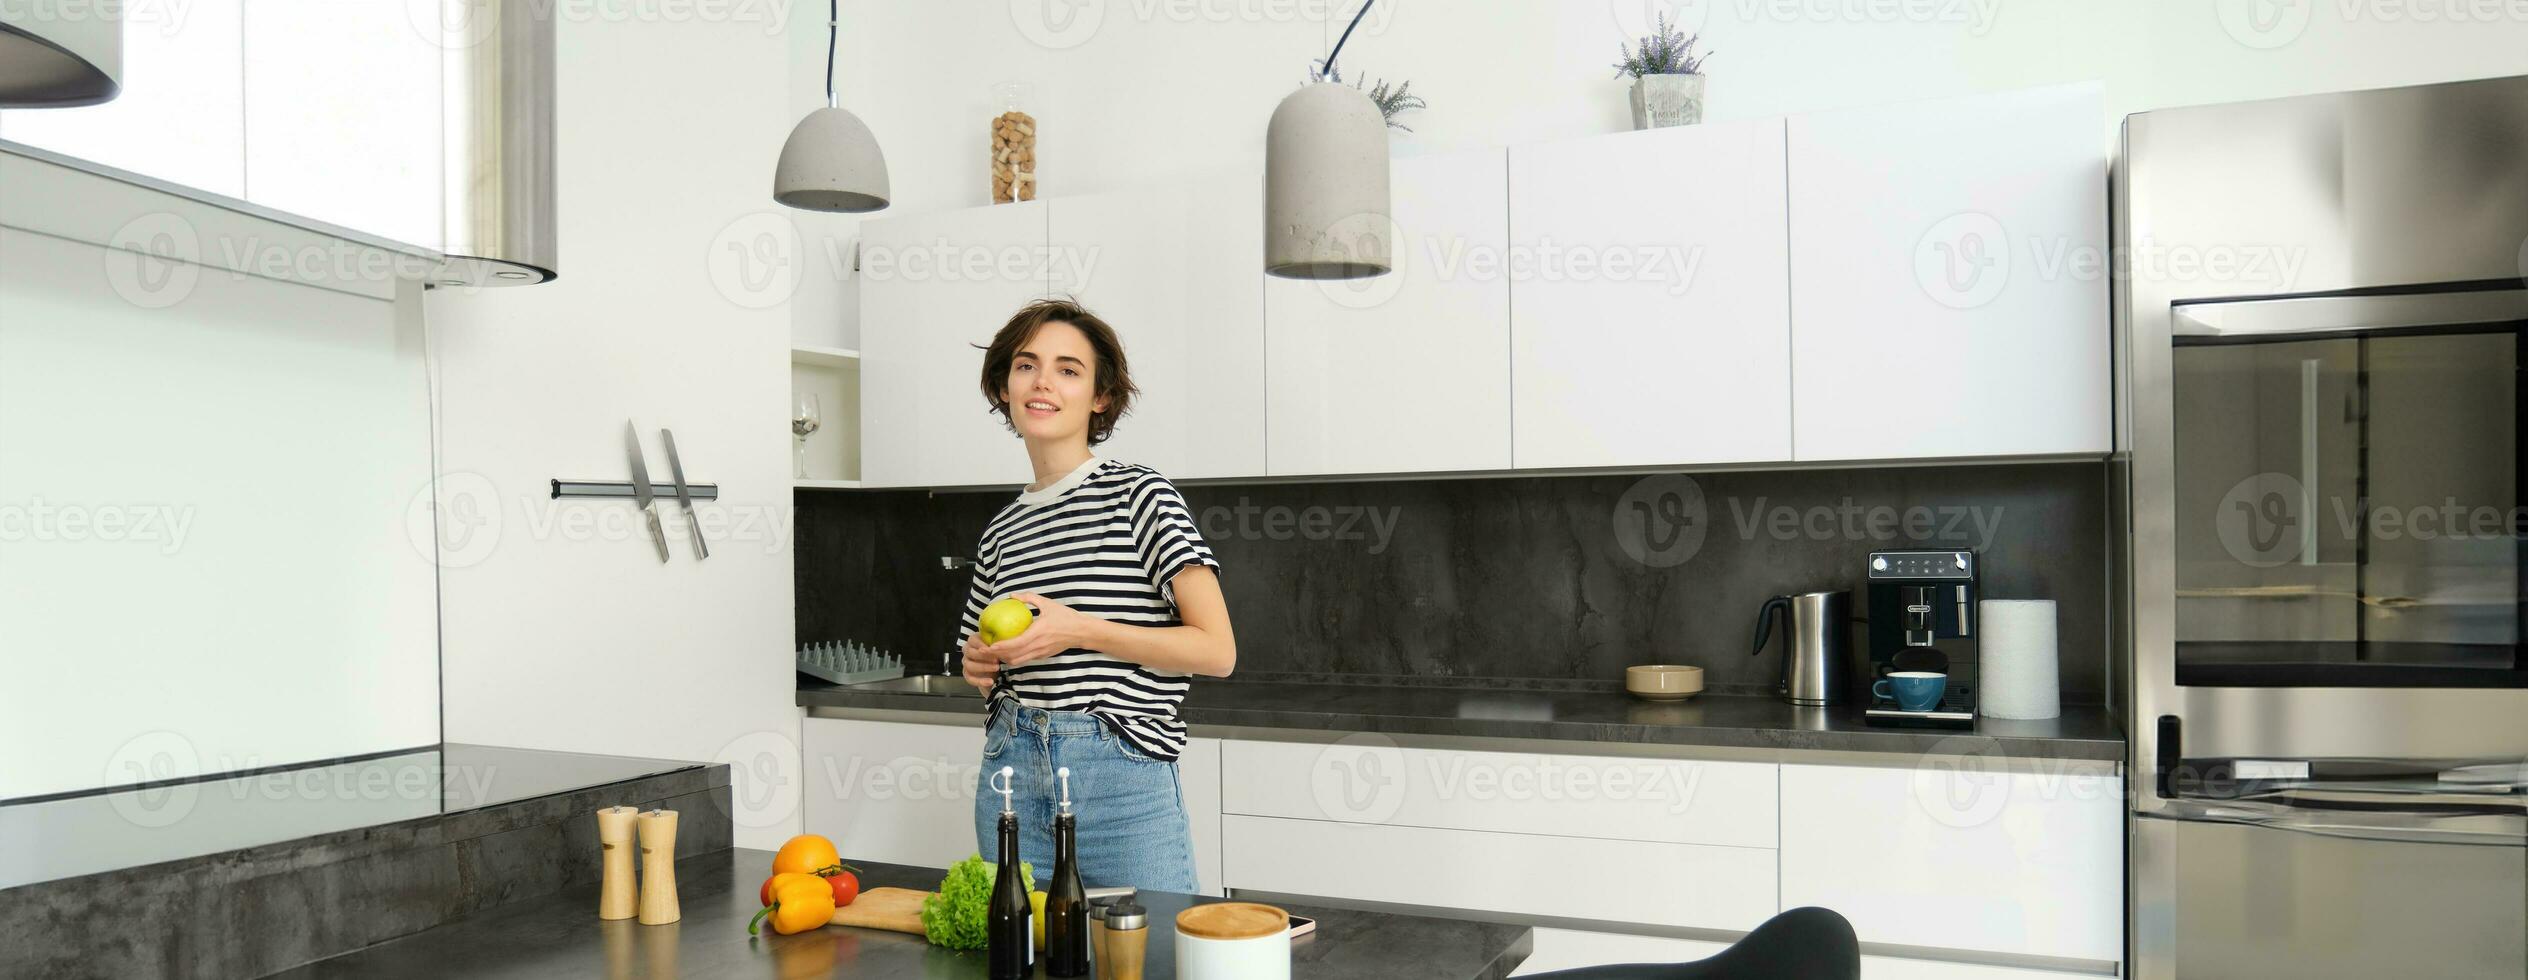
(1663, 682)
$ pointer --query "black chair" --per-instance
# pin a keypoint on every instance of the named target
(1801, 944)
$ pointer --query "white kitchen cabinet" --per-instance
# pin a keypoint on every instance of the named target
(1650, 323)
(933, 287)
(1939, 856)
(1685, 801)
(1198, 776)
(893, 791)
(1948, 278)
(1406, 372)
(1617, 881)
(1176, 269)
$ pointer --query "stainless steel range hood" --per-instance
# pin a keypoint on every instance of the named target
(498, 112)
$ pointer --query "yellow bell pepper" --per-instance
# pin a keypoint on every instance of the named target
(799, 903)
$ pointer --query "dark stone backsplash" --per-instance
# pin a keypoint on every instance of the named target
(1566, 578)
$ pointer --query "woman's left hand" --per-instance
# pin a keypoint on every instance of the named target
(1057, 627)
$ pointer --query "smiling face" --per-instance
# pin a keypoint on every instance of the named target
(1052, 386)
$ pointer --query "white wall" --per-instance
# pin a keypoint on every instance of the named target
(563, 630)
(204, 480)
(1135, 89)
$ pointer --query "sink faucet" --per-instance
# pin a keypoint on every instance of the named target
(948, 658)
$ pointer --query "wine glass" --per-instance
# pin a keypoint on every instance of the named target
(805, 417)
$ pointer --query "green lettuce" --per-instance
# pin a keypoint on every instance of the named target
(956, 915)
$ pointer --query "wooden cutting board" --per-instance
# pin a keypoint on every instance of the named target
(892, 909)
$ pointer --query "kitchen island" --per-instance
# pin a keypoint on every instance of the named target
(562, 937)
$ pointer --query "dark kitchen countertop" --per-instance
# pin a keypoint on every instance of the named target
(2084, 732)
(562, 937)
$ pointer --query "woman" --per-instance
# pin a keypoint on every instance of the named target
(1127, 604)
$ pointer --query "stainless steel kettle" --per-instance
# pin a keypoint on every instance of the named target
(1817, 644)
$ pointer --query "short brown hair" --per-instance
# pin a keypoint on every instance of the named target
(1112, 377)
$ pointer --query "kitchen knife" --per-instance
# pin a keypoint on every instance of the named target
(684, 493)
(641, 487)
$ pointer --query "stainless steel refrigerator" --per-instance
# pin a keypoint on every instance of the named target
(2320, 329)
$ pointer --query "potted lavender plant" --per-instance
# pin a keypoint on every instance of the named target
(1667, 77)
(1390, 101)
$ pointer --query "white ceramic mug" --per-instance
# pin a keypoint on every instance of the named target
(1247, 952)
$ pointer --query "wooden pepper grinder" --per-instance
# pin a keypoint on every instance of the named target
(658, 868)
(614, 836)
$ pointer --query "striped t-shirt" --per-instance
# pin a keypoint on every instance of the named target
(1105, 540)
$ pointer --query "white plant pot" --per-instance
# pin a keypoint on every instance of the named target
(1667, 100)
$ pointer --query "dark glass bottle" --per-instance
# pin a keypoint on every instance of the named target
(1008, 932)
(1066, 903)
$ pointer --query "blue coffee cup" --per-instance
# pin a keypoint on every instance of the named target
(1912, 690)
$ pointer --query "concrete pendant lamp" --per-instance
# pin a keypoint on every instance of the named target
(1325, 182)
(831, 161)
(59, 55)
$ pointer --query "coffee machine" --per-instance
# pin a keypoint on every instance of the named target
(1922, 617)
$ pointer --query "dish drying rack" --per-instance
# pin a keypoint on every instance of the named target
(848, 663)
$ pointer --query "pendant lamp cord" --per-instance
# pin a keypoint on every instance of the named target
(1347, 35)
(833, 32)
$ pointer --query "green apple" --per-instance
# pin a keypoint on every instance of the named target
(1004, 619)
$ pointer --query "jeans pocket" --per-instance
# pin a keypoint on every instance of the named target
(1133, 753)
(995, 744)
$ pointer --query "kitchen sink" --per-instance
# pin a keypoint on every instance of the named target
(940, 684)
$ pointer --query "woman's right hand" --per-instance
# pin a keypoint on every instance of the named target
(980, 670)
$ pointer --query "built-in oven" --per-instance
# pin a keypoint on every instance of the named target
(2321, 331)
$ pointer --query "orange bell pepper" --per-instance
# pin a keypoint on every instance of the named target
(799, 903)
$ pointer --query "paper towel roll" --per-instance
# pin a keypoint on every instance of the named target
(2021, 679)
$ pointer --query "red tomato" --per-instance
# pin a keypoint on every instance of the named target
(846, 887)
(763, 896)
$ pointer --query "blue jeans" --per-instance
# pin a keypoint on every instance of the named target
(1131, 812)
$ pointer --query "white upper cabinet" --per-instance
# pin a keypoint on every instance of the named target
(934, 287)
(1948, 278)
(1177, 270)
(1410, 371)
(1650, 311)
